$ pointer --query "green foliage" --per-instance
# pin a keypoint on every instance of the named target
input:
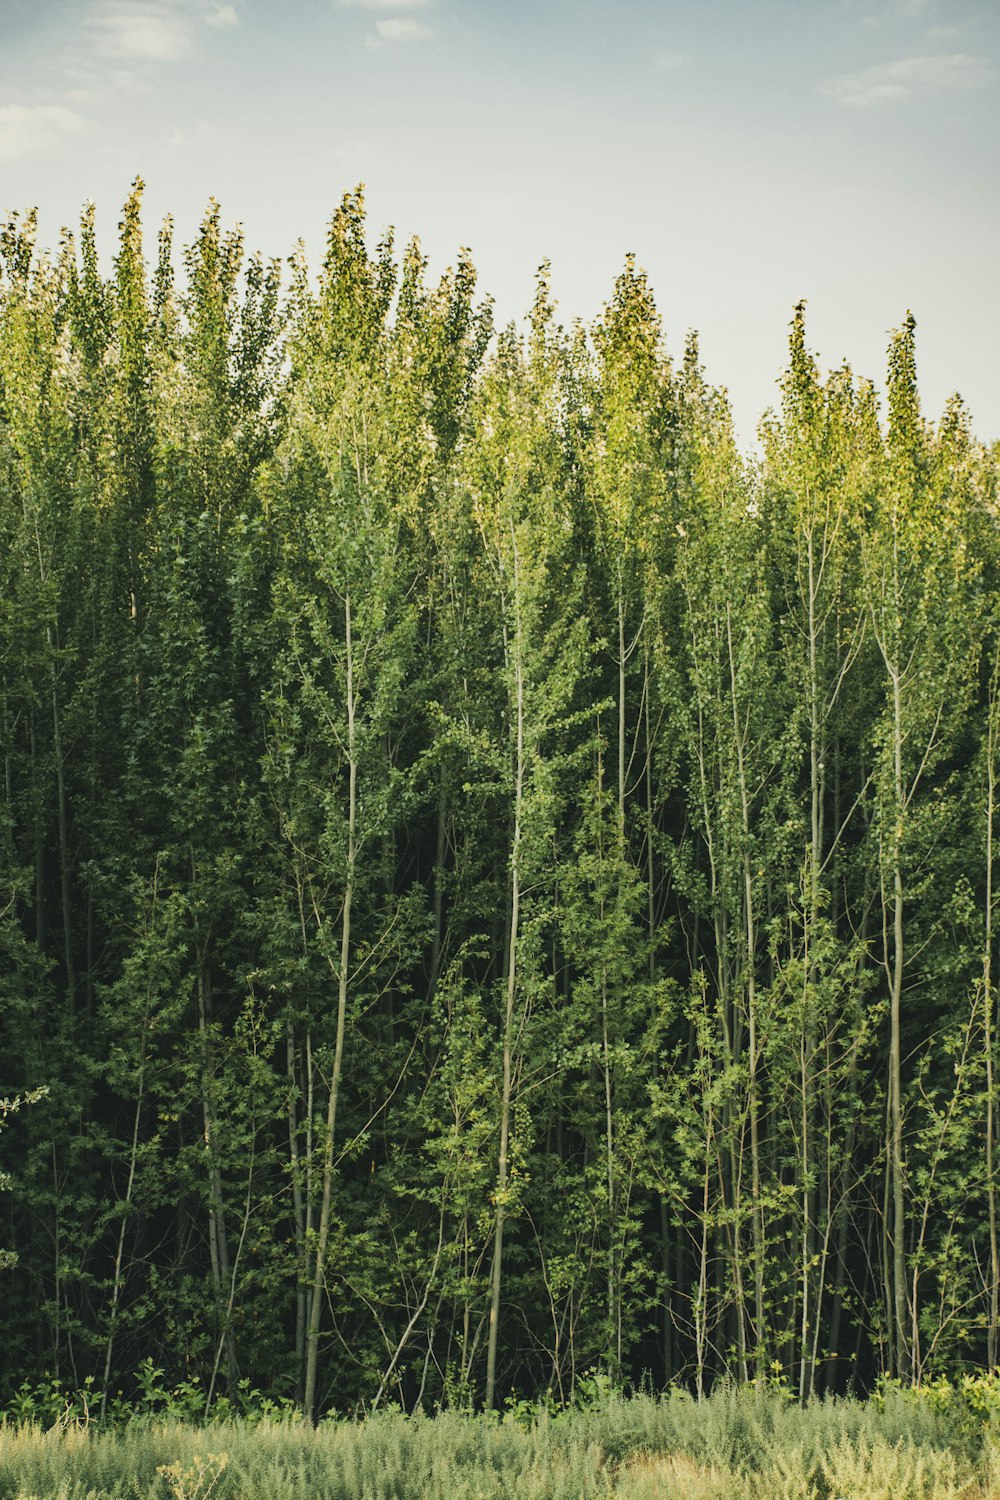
(497, 889)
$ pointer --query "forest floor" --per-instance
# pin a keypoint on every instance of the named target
(737, 1445)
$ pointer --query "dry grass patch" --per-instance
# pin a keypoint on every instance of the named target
(673, 1476)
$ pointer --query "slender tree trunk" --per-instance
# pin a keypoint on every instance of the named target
(805, 1263)
(63, 825)
(667, 1304)
(892, 1366)
(991, 1193)
(753, 1054)
(895, 1047)
(754, 1107)
(8, 783)
(839, 1288)
(808, 1033)
(217, 1243)
(225, 1334)
(318, 1285)
(438, 907)
(701, 1296)
(650, 825)
(298, 1212)
(609, 1167)
(119, 1280)
(665, 1236)
(506, 1094)
(621, 710)
(57, 1261)
(39, 839)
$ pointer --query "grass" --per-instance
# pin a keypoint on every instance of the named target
(738, 1445)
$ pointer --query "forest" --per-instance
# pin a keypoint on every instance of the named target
(498, 888)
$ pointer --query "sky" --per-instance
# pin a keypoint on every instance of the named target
(749, 154)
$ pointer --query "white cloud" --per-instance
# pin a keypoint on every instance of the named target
(222, 15)
(387, 4)
(398, 30)
(142, 31)
(890, 83)
(892, 10)
(669, 62)
(156, 31)
(29, 127)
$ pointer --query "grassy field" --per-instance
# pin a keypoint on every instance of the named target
(735, 1446)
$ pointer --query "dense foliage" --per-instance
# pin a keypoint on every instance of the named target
(493, 884)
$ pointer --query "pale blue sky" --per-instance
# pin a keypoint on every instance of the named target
(846, 151)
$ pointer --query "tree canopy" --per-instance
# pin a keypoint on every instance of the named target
(495, 884)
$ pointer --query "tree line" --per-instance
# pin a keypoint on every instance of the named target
(494, 884)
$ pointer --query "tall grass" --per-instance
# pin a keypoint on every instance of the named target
(738, 1445)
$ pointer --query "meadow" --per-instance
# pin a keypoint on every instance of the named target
(738, 1444)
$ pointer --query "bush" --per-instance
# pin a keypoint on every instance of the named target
(740, 1444)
